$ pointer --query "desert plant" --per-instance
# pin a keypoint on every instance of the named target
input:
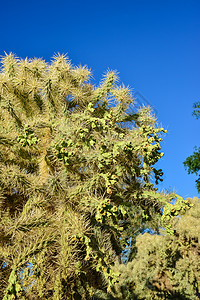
(76, 172)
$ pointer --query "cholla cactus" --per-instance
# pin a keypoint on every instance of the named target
(74, 178)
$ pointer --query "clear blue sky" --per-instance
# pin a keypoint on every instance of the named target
(154, 45)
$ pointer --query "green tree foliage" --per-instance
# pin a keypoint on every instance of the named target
(166, 266)
(75, 168)
(196, 111)
(192, 163)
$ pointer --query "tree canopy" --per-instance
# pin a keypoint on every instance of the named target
(77, 176)
(196, 111)
(192, 162)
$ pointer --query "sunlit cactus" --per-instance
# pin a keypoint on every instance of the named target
(75, 180)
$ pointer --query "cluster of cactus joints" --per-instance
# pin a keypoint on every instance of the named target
(109, 213)
(62, 151)
(27, 137)
(111, 277)
(150, 150)
(170, 211)
(151, 145)
(158, 175)
(106, 210)
(85, 137)
(86, 241)
(101, 260)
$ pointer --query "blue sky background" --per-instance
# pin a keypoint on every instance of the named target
(154, 45)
